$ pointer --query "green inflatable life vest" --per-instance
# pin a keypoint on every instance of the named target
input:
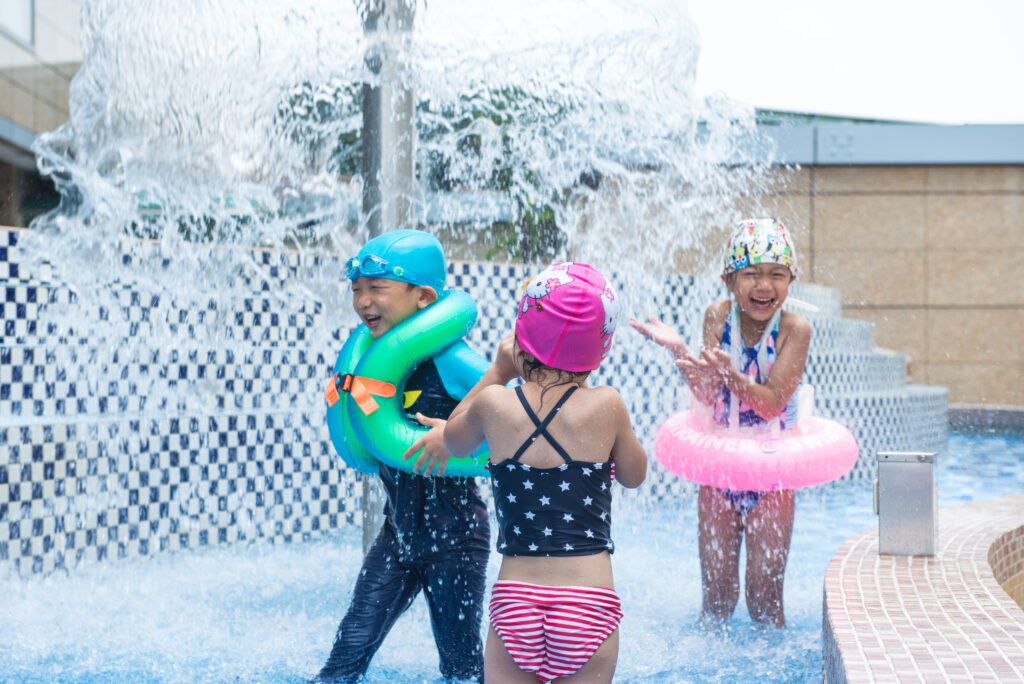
(365, 415)
(339, 426)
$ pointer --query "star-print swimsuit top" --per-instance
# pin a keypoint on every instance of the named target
(559, 511)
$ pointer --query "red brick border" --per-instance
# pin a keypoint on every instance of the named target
(947, 618)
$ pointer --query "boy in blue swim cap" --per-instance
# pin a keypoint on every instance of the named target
(435, 535)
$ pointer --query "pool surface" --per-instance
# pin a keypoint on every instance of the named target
(268, 613)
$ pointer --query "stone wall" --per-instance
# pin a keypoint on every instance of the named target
(927, 254)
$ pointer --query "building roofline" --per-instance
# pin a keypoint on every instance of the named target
(798, 139)
(823, 142)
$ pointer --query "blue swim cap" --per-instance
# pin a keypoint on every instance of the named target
(409, 256)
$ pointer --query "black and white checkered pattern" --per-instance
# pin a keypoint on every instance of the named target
(81, 491)
(149, 422)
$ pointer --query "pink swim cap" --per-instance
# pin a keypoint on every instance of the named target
(567, 317)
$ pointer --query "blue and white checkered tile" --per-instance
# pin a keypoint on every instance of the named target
(815, 301)
(130, 314)
(906, 419)
(115, 379)
(148, 422)
(839, 334)
(662, 485)
(8, 265)
(855, 371)
(77, 492)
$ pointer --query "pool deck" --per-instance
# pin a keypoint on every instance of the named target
(942, 618)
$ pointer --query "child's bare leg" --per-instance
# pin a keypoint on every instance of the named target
(769, 530)
(719, 536)
(499, 666)
(600, 667)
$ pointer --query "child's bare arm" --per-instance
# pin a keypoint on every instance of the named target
(464, 431)
(501, 371)
(661, 333)
(701, 381)
(435, 452)
(770, 399)
(628, 454)
(430, 447)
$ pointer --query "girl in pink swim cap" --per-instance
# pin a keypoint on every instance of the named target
(567, 317)
(554, 443)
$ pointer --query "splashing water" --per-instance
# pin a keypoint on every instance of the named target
(201, 130)
(269, 613)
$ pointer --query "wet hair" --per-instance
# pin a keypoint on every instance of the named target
(532, 368)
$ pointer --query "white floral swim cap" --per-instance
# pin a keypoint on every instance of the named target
(759, 241)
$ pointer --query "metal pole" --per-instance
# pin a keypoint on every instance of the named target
(389, 120)
(389, 159)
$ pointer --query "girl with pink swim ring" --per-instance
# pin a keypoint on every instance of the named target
(747, 373)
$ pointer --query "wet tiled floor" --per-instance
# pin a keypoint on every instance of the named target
(942, 618)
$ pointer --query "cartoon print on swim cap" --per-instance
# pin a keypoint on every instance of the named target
(611, 317)
(611, 310)
(567, 316)
(738, 251)
(544, 283)
(759, 241)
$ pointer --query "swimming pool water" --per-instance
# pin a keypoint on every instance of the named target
(268, 613)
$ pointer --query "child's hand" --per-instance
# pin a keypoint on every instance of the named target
(719, 362)
(434, 453)
(691, 364)
(703, 374)
(504, 364)
(662, 334)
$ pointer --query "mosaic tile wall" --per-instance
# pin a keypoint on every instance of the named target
(1006, 557)
(114, 448)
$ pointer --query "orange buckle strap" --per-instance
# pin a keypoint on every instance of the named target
(362, 391)
(331, 394)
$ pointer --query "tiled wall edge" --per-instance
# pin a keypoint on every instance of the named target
(986, 418)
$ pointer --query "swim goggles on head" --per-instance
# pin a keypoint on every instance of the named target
(373, 266)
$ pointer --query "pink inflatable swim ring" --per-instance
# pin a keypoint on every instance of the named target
(816, 451)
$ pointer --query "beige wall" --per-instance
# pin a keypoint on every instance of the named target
(34, 79)
(931, 255)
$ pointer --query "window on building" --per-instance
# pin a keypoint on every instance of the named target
(16, 20)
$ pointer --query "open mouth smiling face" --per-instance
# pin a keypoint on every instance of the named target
(760, 289)
(762, 303)
(372, 321)
(382, 304)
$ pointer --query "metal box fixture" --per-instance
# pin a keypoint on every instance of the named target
(905, 501)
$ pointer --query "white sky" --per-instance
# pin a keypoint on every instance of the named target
(939, 61)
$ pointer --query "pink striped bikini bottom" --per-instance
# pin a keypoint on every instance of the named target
(552, 631)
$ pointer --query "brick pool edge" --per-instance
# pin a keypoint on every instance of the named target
(948, 617)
